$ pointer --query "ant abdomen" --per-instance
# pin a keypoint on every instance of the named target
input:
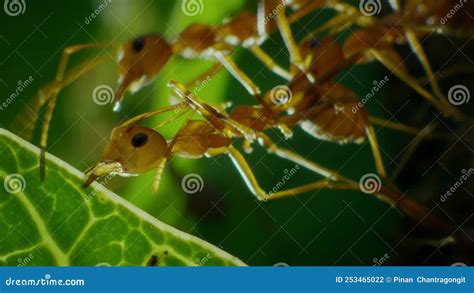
(333, 117)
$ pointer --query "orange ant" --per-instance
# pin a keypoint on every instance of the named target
(134, 150)
(326, 110)
(142, 58)
(375, 38)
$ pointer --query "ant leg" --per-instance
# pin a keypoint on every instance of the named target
(204, 76)
(339, 21)
(146, 115)
(27, 119)
(402, 127)
(410, 207)
(270, 63)
(159, 174)
(211, 114)
(56, 86)
(305, 10)
(237, 73)
(410, 81)
(254, 187)
(416, 211)
(172, 118)
(411, 148)
(218, 119)
(262, 22)
(289, 40)
(376, 151)
(450, 72)
(262, 28)
(246, 173)
(329, 174)
(162, 163)
(393, 125)
(420, 53)
(395, 4)
(286, 154)
(310, 187)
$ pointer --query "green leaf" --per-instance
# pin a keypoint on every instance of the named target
(58, 222)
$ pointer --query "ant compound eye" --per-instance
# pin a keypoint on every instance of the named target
(139, 139)
(314, 43)
(138, 44)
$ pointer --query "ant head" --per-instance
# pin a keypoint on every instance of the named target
(132, 150)
(139, 61)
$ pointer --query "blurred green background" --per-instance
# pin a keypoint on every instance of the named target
(319, 228)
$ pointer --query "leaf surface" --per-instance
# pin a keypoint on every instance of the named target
(58, 222)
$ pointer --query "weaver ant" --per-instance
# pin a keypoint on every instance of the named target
(374, 38)
(134, 150)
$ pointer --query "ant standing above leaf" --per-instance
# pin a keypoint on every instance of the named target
(134, 150)
(319, 105)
